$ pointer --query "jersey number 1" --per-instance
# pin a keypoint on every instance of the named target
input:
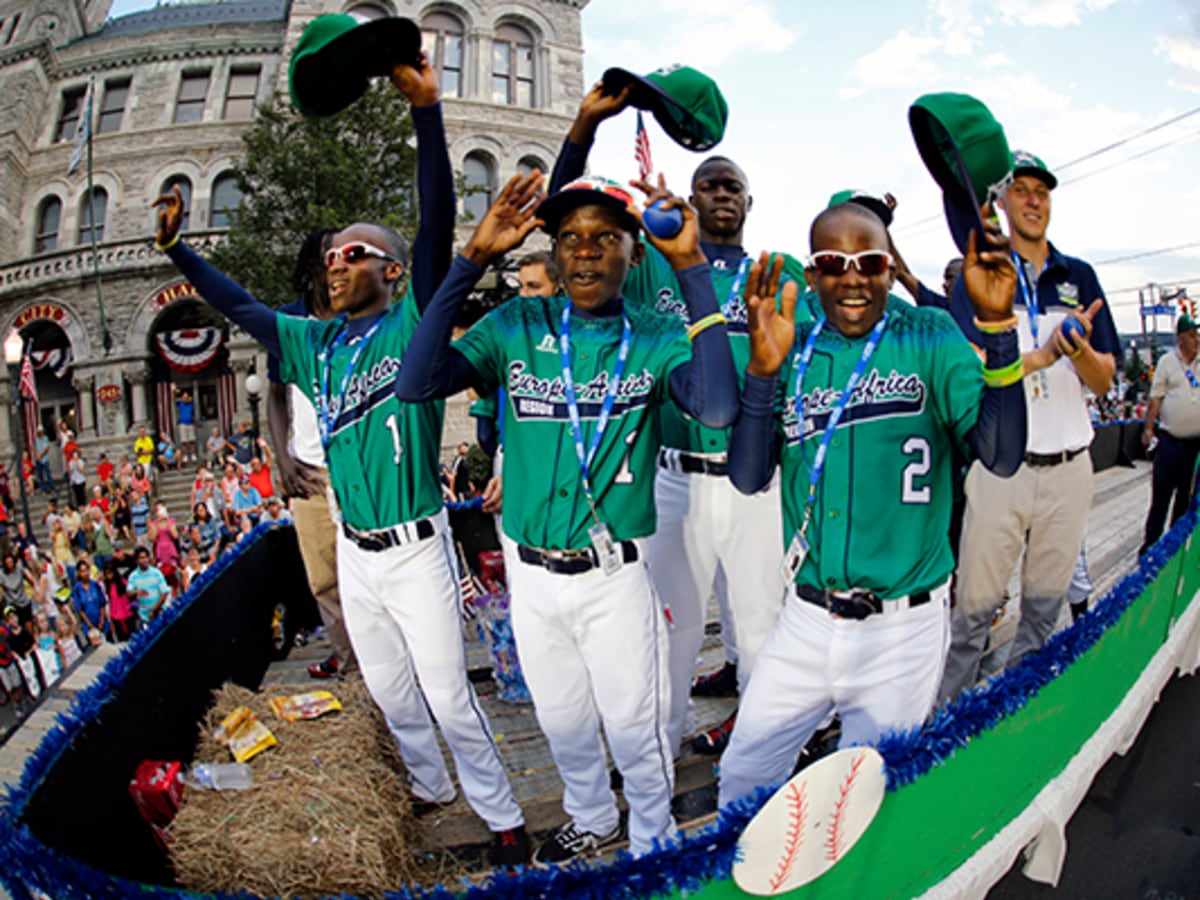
(394, 427)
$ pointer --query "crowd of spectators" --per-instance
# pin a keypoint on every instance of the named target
(109, 554)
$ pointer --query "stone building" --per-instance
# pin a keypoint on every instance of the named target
(115, 331)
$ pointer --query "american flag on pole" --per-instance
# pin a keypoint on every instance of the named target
(83, 130)
(27, 385)
(641, 150)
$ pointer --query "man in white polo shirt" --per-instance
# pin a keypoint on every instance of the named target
(1068, 343)
(1174, 418)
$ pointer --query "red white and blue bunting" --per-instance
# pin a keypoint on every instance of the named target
(189, 349)
(58, 360)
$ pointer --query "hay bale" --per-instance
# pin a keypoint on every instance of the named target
(328, 813)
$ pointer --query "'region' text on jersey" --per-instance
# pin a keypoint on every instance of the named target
(511, 347)
(382, 453)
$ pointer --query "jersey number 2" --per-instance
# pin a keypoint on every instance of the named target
(394, 427)
(918, 468)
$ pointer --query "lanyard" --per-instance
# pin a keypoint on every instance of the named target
(738, 280)
(610, 398)
(818, 466)
(1187, 371)
(325, 420)
(1030, 295)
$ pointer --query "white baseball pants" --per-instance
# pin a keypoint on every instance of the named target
(593, 649)
(401, 607)
(879, 674)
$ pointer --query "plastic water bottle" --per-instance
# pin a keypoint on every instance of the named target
(218, 777)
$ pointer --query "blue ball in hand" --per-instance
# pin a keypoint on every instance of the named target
(1072, 326)
(660, 222)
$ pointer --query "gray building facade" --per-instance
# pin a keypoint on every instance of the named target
(174, 88)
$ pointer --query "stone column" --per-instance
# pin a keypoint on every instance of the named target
(84, 386)
(242, 367)
(138, 378)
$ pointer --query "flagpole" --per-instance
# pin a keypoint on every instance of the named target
(105, 337)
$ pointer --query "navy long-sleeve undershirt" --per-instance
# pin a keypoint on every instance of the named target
(431, 254)
(705, 386)
(997, 438)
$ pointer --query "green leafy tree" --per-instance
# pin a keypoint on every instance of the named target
(298, 174)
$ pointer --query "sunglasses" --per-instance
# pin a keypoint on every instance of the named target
(355, 252)
(834, 263)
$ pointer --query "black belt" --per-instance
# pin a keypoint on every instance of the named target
(853, 604)
(1052, 459)
(570, 562)
(376, 541)
(690, 464)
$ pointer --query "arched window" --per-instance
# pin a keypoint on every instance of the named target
(92, 216)
(512, 66)
(478, 173)
(48, 217)
(529, 163)
(185, 191)
(225, 199)
(442, 41)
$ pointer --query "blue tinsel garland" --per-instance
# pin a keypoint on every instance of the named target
(704, 856)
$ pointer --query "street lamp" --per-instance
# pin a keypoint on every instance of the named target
(254, 388)
(14, 347)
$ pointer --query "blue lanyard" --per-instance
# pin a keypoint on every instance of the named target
(818, 466)
(325, 420)
(738, 280)
(1030, 295)
(1187, 371)
(610, 398)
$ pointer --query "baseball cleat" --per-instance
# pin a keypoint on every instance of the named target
(568, 841)
(721, 683)
(326, 669)
(510, 848)
(714, 741)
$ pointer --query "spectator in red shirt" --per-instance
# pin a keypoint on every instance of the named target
(260, 472)
(99, 499)
(104, 470)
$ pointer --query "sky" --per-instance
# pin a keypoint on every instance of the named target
(819, 94)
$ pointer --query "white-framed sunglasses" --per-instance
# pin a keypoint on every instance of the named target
(355, 252)
(834, 263)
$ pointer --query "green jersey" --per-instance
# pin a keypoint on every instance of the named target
(382, 453)
(653, 282)
(517, 346)
(882, 508)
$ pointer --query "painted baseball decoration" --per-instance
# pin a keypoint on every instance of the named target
(661, 222)
(1072, 326)
(811, 822)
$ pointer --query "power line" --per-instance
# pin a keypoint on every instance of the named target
(1132, 137)
(1145, 253)
(1121, 162)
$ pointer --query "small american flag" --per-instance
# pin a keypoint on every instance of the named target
(641, 150)
(28, 383)
(469, 587)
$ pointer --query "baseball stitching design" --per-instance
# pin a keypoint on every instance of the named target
(833, 838)
(798, 805)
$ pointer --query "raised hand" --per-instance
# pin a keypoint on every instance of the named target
(170, 216)
(683, 249)
(989, 274)
(508, 220)
(418, 82)
(772, 329)
(595, 108)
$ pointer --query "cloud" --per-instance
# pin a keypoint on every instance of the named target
(900, 61)
(1183, 52)
(1052, 13)
(996, 60)
(704, 33)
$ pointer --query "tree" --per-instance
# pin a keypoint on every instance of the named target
(300, 173)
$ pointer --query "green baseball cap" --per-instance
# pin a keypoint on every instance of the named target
(966, 152)
(337, 56)
(862, 198)
(687, 103)
(1185, 323)
(1025, 163)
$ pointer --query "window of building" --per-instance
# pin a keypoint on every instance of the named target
(48, 218)
(367, 12)
(92, 216)
(512, 66)
(193, 92)
(225, 199)
(72, 105)
(442, 41)
(528, 164)
(477, 173)
(112, 110)
(185, 191)
(241, 94)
